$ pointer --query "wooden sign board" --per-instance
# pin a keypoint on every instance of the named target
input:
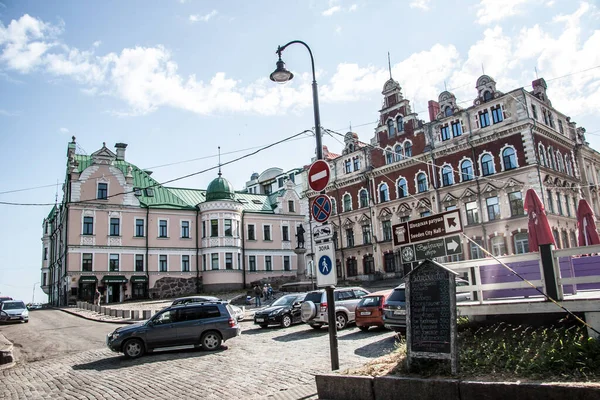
(431, 313)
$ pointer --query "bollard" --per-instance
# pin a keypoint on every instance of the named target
(147, 314)
(113, 313)
(102, 310)
(127, 314)
(135, 314)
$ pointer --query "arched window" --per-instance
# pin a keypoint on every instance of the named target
(384, 194)
(551, 158)
(400, 123)
(487, 95)
(559, 162)
(389, 157)
(521, 243)
(408, 149)
(398, 151)
(509, 158)
(568, 168)
(347, 202)
(364, 198)
(333, 207)
(402, 189)
(421, 182)
(487, 164)
(466, 170)
(448, 111)
(542, 154)
(447, 176)
(391, 131)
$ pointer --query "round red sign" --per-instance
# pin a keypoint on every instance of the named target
(318, 175)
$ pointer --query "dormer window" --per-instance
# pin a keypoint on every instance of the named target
(487, 96)
(356, 161)
(348, 166)
(497, 114)
(400, 123)
(149, 192)
(102, 191)
(448, 111)
(137, 191)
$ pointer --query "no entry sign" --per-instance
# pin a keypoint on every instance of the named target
(321, 208)
(318, 175)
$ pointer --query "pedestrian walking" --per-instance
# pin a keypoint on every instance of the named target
(270, 291)
(257, 294)
(265, 292)
(97, 297)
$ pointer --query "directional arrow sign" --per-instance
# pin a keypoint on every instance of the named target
(434, 226)
(453, 245)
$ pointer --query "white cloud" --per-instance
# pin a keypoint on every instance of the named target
(338, 30)
(203, 18)
(490, 11)
(422, 4)
(63, 130)
(330, 11)
(25, 41)
(353, 7)
(97, 43)
(7, 113)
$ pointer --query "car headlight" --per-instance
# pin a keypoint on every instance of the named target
(25, 313)
(114, 335)
(275, 312)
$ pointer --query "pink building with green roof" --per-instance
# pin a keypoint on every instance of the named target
(119, 230)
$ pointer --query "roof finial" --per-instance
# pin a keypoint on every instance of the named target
(219, 160)
(56, 195)
(482, 70)
(536, 73)
(350, 126)
(389, 65)
(445, 86)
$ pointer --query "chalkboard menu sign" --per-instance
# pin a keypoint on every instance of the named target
(431, 312)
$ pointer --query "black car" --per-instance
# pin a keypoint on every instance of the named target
(285, 311)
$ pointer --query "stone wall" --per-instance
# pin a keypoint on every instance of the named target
(170, 287)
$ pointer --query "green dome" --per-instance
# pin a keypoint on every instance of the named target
(220, 189)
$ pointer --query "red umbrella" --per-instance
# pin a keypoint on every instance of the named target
(538, 227)
(586, 224)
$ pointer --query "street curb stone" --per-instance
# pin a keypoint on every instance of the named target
(93, 319)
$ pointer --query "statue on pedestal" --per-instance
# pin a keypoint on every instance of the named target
(300, 236)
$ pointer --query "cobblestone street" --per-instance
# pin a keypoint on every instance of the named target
(272, 363)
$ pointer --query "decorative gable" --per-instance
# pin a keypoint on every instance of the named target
(385, 214)
(404, 209)
(467, 193)
(513, 184)
(449, 199)
(348, 223)
(489, 189)
(103, 156)
(364, 220)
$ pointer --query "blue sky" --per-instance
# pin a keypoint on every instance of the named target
(176, 79)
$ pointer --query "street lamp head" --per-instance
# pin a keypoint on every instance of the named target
(281, 75)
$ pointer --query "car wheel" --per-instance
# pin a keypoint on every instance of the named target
(211, 341)
(133, 348)
(316, 326)
(341, 321)
(286, 321)
(264, 326)
(363, 328)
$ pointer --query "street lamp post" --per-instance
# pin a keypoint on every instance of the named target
(33, 295)
(282, 75)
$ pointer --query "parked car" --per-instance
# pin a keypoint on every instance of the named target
(284, 311)
(238, 313)
(394, 308)
(369, 311)
(195, 299)
(204, 325)
(13, 311)
(314, 308)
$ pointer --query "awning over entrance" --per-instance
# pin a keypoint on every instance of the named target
(114, 279)
(139, 279)
(88, 279)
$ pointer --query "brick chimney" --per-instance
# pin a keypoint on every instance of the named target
(539, 90)
(120, 149)
(434, 109)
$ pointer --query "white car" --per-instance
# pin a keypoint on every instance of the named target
(238, 313)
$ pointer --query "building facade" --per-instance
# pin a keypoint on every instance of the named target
(119, 230)
(480, 160)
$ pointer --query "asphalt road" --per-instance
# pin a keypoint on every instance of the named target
(52, 333)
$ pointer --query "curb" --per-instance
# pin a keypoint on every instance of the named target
(127, 322)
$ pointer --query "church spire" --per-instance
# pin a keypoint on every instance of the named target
(389, 65)
(219, 160)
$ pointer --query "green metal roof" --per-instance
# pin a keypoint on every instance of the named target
(162, 197)
(220, 189)
(192, 197)
(52, 213)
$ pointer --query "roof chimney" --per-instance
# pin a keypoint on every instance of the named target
(120, 148)
(434, 109)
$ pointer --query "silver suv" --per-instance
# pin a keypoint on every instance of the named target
(314, 308)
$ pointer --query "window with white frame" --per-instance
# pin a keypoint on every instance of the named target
(87, 262)
(267, 232)
(484, 118)
(102, 193)
(139, 227)
(445, 132)
(333, 206)
(252, 263)
(475, 249)
(384, 194)
(251, 232)
(204, 265)
(113, 262)
(228, 260)
(214, 261)
(402, 188)
(185, 263)
(268, 263)
(472, 213)
(456, 129)
(466, 170)
(498, 246)
(366, 232)
(400, 123)
(185, 229)
(509, 158)
(228, 228)
(542, 154)
(286, 263)
(422, 182)
(487, 164)
(115, 227)
(347, 202)
(387, 230)
(163, 263)
(407, 149)
(349, 237)
(162, 228)
(497, 116)
(285, 233)
(398, 151)
(214, 228)
(348, 166)
(493, 208)
(390, 125)
(291, 206)
(139, 263)
(515, 199)
(550, 201)
(551, 158)
(447, 176)
(559, 162)
(389, 157)
(364, 198)
(88, 226)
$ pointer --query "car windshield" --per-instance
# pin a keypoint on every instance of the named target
(284, 301)
(13, 305)
(370, 301)
(397, 295)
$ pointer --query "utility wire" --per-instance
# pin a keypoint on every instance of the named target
(90, 201)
